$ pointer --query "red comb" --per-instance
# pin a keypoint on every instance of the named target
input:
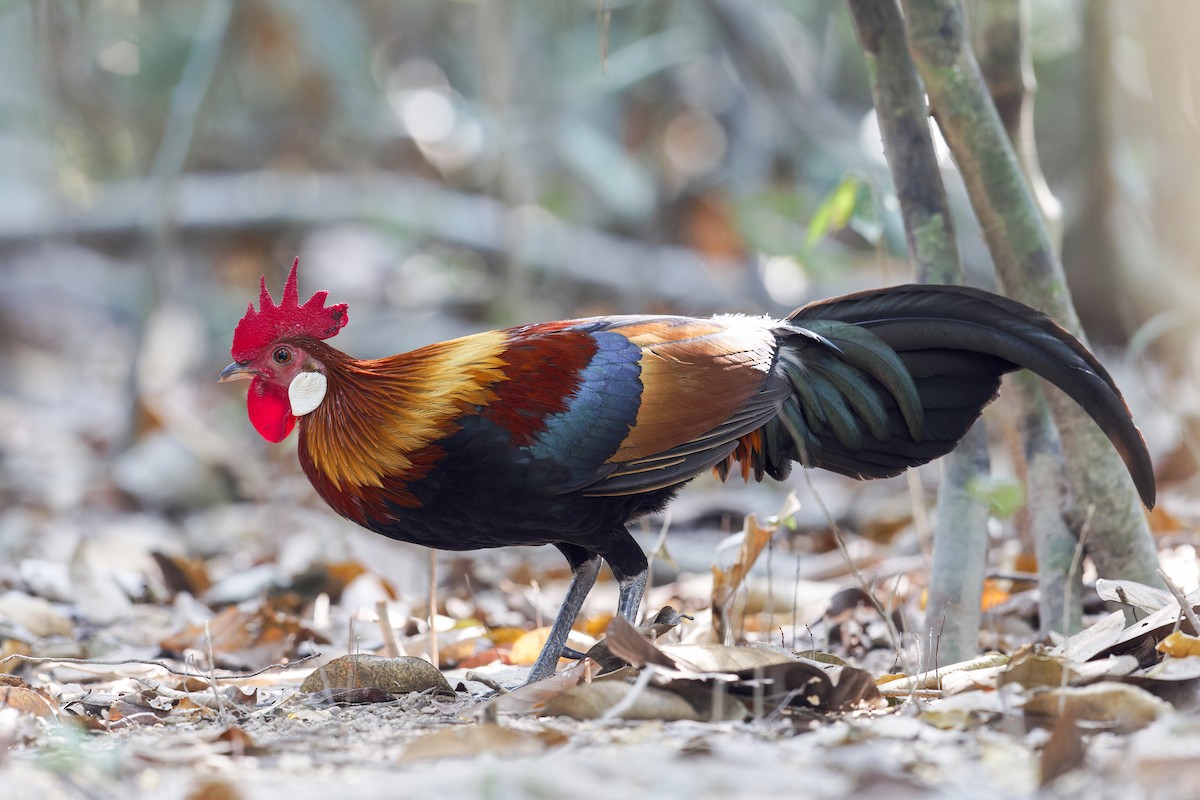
(272, 322)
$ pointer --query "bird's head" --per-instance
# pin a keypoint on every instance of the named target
(286, 381)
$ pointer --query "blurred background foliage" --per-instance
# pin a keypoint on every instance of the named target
(449, 166)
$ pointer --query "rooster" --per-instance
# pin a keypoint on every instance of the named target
(560, 433)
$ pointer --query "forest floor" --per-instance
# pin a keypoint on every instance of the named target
(172, 626)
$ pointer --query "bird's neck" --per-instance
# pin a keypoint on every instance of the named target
(380, 417)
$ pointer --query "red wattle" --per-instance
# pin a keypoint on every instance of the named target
(270, 410)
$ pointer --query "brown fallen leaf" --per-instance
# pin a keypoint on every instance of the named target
(1163, 521)
(125, 713)
(241, 638)
(214, 789)
(525, 649)
(826, 658)
(505, 636)
(597, 625)
(721, 658)
(532, 697)
(12, 647)
(484, 657)
(455, 654)
(191, 684)
(594, 700)
(633, 647)
(471, 741)
(332, 578)
(247, 697)
(1064, 750)
(1034, 668)
(1120, 706)
(853, 688)
(995, 592)
(727, 581)
(810, 685)
(183, 574)
(362, 671)
(186, 705)
(711, 700)
(239, 742)
(36, 615)
(608, 661)
(22, 697)
(1179, 645)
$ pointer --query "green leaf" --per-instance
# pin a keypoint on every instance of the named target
(1003, 497)
(835, 210)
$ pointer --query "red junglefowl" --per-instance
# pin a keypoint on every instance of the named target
(560, 433)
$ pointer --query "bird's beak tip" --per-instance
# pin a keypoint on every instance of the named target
(236, 372)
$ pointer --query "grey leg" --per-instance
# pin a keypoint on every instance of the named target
(630, 599)
(585, 567)
(629, 566)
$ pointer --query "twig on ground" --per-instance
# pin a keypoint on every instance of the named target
(1184, 603)
(91, 662)
(1076, 563)
(433, 637)
(931, 681)
(659, 547)
(858, 576)
(635, 692)
(212, 678)
(486, 680)
(391, 645)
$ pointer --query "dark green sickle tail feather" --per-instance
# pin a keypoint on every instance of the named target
(888, 379)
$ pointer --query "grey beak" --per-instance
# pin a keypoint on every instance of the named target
(236, 372)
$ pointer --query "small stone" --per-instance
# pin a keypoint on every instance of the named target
(394, 675)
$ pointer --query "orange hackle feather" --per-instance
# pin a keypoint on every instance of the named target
(372, 436)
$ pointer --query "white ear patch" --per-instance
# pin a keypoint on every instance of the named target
(306, 392)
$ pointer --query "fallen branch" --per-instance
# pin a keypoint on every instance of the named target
(160, 664)
(271, 200)
(932, 679)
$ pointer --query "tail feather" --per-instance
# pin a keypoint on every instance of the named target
(888, 379)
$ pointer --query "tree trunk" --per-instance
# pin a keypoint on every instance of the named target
(1101, 490)
(953, 612)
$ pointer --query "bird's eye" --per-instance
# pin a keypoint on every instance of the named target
(282, 355)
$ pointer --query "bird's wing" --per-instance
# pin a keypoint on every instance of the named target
(685, 390)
